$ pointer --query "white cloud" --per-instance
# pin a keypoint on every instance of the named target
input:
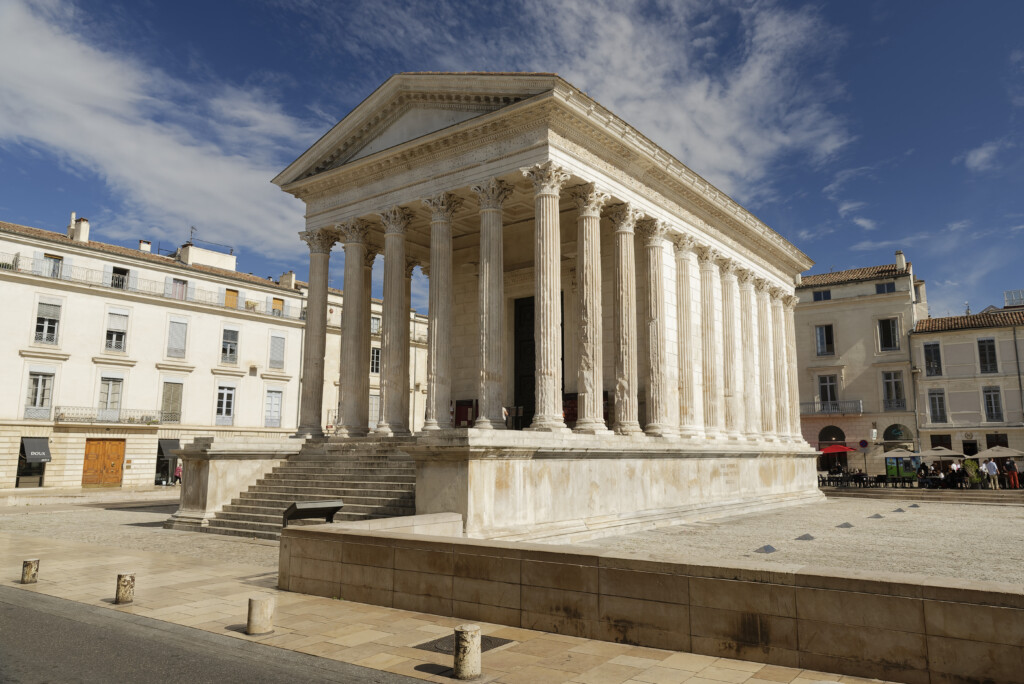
(983, 157)
(865, 223)
(848, 207)
(958, 225)
(174, 153)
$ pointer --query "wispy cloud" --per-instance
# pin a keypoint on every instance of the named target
(865, 223)
(848, 207)
(958, 225)
(983, 157)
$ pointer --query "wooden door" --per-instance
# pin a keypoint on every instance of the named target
(231, 299)
(104, 462)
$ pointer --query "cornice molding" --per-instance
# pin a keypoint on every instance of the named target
(43, 354)
(113, 361)
(229, 372)
(175, 367)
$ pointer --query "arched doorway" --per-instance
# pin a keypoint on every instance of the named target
(830, 435)
(898, 436)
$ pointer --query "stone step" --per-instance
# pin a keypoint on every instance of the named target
(313, 465)
(342, 488)
(277, 507)
(328, 480)
(282, 489)
(276, 499)
(962, 496)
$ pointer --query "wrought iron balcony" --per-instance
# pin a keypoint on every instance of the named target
(848, 406)
(224, 420)
(37, 413)
(894, 404)
(89, 414)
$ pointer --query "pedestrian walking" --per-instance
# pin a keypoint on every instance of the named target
(993, 473)
(1010, 468)
(177, 475)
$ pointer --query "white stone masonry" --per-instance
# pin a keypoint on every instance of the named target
(353, 386)
(439, 329)
(626, 421)
(320, 243)
(395, 326)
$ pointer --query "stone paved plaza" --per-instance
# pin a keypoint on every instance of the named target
(939, 539)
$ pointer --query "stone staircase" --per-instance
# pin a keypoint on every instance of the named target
(370, 487)
(1001, 497)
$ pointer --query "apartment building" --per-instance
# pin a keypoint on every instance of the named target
(856, 377)
(970, 392)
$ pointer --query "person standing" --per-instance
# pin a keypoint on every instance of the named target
(993, 473)
(1010, 468)
(177, 475)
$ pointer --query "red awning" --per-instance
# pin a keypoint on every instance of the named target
(836, 449)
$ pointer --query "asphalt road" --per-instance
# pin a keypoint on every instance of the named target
(50, 640)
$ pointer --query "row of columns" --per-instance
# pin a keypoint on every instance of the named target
(737, 367)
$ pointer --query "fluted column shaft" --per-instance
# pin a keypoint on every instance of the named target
(781, 379)
(353, 386)
(691, 409)
(548, 179)
(491, 295)
(315, 343)
(767, 360)
(363, 367)
(395, 326)
(710, 338)
(789, 302)
(732, 378)
(751, 377)
(624, 219)
(658, 422)
(439, 325)
(407, 355)
(590, 384)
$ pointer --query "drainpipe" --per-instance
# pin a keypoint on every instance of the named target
(913, 384)
(1020, 383)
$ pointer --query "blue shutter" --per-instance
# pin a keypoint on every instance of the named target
(37, 263)
(66, 269)
(168, 286)
(108, 275)
(133, 280)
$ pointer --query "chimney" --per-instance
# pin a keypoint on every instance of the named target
(287, 280)
(71, 227)
(901, 261)
(145, 246)
(81, 231)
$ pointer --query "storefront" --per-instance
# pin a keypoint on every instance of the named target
(166, 460)
(32, 459)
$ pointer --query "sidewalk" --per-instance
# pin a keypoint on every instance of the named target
(40, 496)
(213, 597)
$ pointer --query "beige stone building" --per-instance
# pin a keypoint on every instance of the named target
(971, 388)
(856, 375)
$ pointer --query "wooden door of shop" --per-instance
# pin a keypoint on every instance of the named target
(104, 462)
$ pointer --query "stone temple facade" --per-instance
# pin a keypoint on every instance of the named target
(611, 338)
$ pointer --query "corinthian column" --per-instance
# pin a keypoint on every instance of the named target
(315, 345)
(439, 326)
(781, 381)
(363, 367)
(731, 379)
(659, 423)
(624, 219)
(789, 303)
(353, 385)
(589, 201)
(691, 409)
(713, 389)
(395, 328)
(764, 329)
(410, 423)
(491, 282)
(548, 179)
(748, 337)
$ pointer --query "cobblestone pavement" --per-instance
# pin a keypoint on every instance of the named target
(134, 527)
(938, 539)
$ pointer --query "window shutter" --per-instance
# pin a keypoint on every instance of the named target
(133, 280)
(37, 263)
(49, 311)
(190, 294)
(168, 286)
(276, 352)
(108, 275)
(270, 306)
(176, 339)
(241, 300)
(65, 272)
(172, 397)
(221, 293)
(117, 322)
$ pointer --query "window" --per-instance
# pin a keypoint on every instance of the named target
(892, 386)
(119, 278)
(374, 410)
(117, 332)
(272, 411)
(110, 399)
(987, 356)
(822, 295)
(827, 389)
(375, 360)
(179, 288)
(995, 440)
(176, 334)
(37, 404)
(942, 441)
(993, 404)
(229, 347)
(47, 323)
(231, 299)
(825, 341)
(277, 307)
(52, 265)
(374, 325)
(170, 402)
(932, 359)
(225, 406)
(884, 288)
(276, 351)
(937, 405)
(889, 334)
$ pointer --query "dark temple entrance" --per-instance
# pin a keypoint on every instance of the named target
(525, 363)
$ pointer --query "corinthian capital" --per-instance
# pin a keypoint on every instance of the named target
(443, 206)
(354, 230)
(684, 243)
(777, 293)
(410, 265)
(371, 256)
(762, 286)
(745, 278)
(624, 217)
(548, 178)
(652, 230)
(396, 219)
(707, 256)
(492, 193)
(319, 241)
(790, 301)
(588, 199)
(728, 267)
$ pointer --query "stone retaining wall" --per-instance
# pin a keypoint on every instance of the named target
(899, 627)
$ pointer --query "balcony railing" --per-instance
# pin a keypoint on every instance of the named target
(271, 422)
(225, 420)
(894, 404)
(37, 413)
(229, 358)
(96, 277)
(831, 407)
(89, 414)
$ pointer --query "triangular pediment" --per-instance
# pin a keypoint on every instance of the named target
(410, 106)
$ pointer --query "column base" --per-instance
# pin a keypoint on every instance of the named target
(387, 430)
(349, 431)
(655, 430)
(591, 428)
(632, 428)
(690, 432)
(307, 432)
(482, 423)
(430, 425)
(548, 425)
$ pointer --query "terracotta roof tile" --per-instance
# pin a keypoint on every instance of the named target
(994, 319)
(59, 238)
(853, 275)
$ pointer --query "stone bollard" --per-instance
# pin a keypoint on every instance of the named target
(125, 588)
(467, 652)
(261, 615)
(30, 571)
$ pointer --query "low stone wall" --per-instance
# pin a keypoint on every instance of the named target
(897, 627)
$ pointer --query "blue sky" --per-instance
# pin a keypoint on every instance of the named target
(852, 128)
